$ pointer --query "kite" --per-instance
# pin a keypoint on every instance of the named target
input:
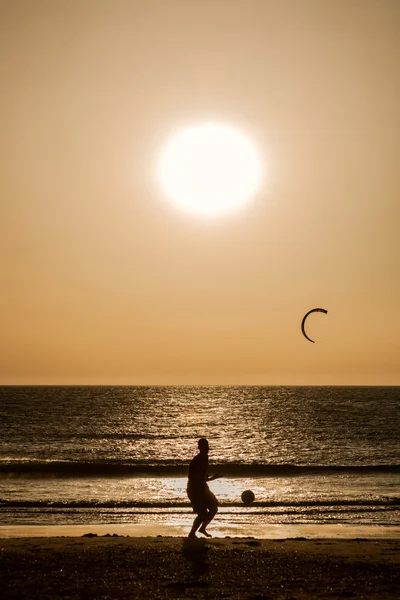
(304, 320)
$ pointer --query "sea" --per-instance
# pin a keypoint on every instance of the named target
(119, 455)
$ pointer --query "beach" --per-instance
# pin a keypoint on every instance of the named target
(95, 506)
(112, 565)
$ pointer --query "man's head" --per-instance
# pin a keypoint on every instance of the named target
(203, 446)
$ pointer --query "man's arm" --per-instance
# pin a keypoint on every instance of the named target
(212, 477)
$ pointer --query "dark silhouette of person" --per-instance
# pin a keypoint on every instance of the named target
(203, 501)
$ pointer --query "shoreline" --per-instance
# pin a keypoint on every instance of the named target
(218, 531)
(175, 567)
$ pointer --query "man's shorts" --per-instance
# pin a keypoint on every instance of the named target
(202, 500)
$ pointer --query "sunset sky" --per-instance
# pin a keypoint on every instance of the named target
(104, 281)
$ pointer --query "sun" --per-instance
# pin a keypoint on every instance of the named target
(209, 169)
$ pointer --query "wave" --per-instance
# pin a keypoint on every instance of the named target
(176, 468)
(384, 501)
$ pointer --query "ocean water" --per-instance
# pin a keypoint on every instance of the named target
(72, 455)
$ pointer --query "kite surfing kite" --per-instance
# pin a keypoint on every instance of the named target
(304, 320)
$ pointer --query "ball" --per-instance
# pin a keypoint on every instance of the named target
(248, 497)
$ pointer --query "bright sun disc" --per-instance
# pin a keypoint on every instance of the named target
(209, 169)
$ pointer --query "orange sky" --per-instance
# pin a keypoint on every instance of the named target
(103, 281)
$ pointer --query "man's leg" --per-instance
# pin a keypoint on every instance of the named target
(201, 517)
(212, 506)
(196, 524)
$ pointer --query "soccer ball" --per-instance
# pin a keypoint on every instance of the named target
(248, 497)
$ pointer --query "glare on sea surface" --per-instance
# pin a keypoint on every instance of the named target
(209, 169)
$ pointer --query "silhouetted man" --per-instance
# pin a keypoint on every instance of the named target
(204, 503)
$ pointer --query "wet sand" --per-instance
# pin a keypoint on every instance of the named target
(112, 566)
(218, 530)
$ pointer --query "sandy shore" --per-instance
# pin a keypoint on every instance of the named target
(175, 567)
(259, 531)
